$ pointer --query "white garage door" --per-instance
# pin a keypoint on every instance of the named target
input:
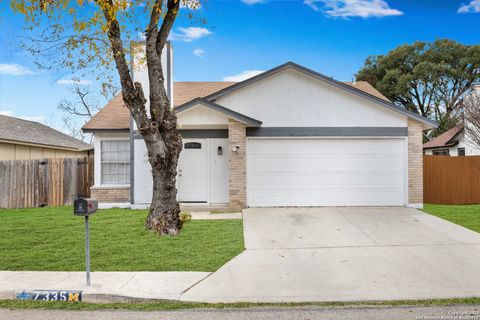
(325, 172)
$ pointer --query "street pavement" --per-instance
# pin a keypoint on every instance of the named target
(300, 313)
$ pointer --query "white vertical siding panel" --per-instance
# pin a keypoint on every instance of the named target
(293, 99)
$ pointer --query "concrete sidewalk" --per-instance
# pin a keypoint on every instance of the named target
(105, 286)
(206, 215)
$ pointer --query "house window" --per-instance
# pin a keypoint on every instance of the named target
(441, 152)
(461, 151)
(193, 145)
(115, 161)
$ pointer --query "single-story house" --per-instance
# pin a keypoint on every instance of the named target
(22, 140)
(287, 137)
(454, 142)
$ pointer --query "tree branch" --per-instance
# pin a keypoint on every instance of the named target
(131, 95)
(156, 40)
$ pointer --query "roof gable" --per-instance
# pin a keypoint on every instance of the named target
(445, 139)
(380, 100)
(293, 99)
(216, 107)
(115, 116)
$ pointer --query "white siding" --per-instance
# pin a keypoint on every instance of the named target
(142, 178)
(293, 99)
(201, 117)
(217, 172)
(471, 148)
(326, 172)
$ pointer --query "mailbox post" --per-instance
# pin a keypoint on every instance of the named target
(86, 207)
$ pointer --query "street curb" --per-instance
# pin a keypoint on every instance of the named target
(97, 298)
(112, 298)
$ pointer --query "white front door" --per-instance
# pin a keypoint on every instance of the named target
(192, 171)
(326, 172)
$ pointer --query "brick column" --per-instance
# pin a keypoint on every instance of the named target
(415, 164)
(237, 165)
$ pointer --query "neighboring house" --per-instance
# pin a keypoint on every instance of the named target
(454, 142)
(21, 140)
(287, 137)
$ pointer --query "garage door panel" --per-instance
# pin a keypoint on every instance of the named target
(324, 199)
(302, 161)
(310, 181)
(325, 172)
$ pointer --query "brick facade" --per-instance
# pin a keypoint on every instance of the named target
(111, 194)
(415, 163)
(237, 173)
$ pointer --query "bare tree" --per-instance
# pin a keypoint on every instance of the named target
(471, 113)
(82, 107)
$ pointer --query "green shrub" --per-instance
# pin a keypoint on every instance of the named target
(185, 217)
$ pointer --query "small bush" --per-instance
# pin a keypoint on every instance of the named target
(185, 217)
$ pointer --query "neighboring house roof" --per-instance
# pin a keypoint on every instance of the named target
(446, 139)
(114, 116)
(212, 105)
(14, 130)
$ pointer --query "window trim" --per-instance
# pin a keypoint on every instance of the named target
(102, 162)
(192, 145)
(439, 152)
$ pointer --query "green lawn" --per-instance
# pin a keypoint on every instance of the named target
(465, 215)
(52, 239)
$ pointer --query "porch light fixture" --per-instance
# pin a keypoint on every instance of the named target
(235, 149)
(219, 150)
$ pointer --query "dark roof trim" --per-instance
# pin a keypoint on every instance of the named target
(456, 136)
(228, 112)
(329, 80)
(105, 130)
(327, 132)
(448, 145)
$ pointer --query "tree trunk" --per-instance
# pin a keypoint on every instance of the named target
(163, 151)
(159, 130)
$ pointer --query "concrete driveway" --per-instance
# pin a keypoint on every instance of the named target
(346, 254)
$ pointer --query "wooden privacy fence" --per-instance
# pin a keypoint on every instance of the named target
(451, 180)
(37, 183)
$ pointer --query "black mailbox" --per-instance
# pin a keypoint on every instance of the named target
(84, 206)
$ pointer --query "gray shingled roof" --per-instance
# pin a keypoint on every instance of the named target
(20, 130)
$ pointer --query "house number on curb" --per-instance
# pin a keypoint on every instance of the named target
(51, 295)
